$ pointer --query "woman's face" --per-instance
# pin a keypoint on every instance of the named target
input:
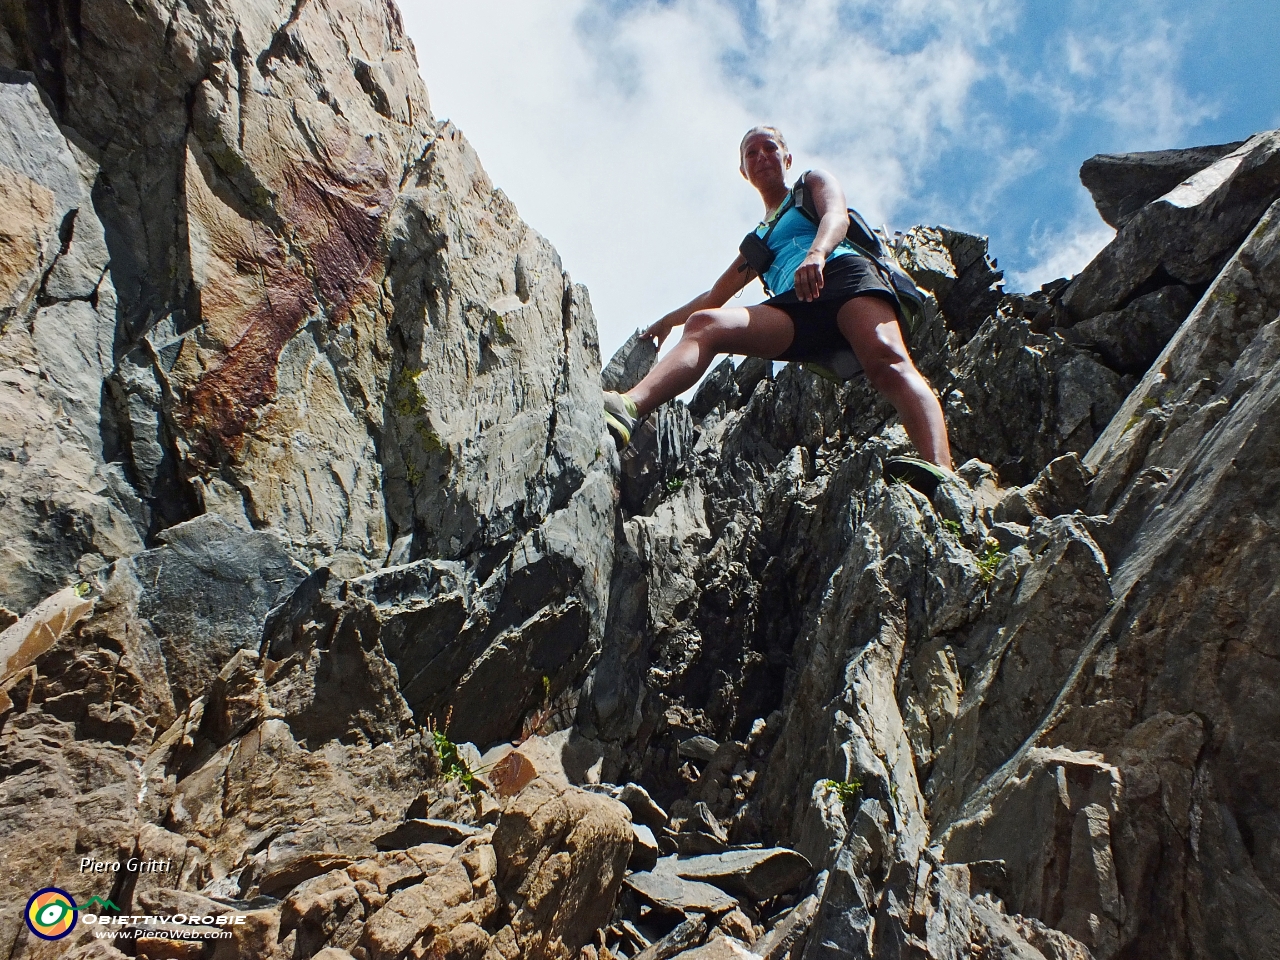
(764, 161)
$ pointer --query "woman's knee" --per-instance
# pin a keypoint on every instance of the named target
(889, 370)
(705, 326)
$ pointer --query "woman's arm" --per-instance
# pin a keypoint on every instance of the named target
(833, 212)
(730, 282)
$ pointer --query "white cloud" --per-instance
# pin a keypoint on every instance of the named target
(1062, 253)
(635, 181)
(1140, 91)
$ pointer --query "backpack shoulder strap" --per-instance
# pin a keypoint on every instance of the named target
(772, 223)
(802, 197)
(859, 235)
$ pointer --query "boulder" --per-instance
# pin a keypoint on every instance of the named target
(644, 848)
(701, 832)
(789, 932)
(721, 948)
(698, 748)
(642, 806)
(1186, 236)
(561, 857)
(685, 934)
(1123, 183)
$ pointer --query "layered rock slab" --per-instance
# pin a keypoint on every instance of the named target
(1122, 184)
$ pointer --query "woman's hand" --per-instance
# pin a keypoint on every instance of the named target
(661, 328)
(731, 281)
(809, 276)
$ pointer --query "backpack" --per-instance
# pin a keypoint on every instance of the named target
(863, 239)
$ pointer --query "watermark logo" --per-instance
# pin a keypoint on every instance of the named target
(51, 913)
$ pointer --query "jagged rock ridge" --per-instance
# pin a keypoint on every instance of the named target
(305, 464)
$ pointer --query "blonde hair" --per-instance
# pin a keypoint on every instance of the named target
(773, 132)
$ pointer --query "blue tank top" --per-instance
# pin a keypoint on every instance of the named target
(790, 241)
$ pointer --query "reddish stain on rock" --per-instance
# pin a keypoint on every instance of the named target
(338, 225)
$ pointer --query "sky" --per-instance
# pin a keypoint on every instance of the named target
(614, 124)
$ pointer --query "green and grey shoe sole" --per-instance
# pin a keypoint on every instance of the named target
(921, 474)
(621, 432)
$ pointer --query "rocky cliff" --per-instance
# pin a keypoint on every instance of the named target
(307, 501)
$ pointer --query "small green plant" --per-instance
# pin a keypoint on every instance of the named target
(952, 527)
(412, 474)
(846, 792)
(674, 484)
(452, 765)
(990, 559)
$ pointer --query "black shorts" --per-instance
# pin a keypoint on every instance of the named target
(817, 333)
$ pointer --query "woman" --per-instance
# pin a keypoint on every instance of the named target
(825, 293)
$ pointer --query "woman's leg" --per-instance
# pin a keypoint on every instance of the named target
(870, 325)
(758, 331)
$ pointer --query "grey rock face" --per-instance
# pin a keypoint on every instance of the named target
(1128, 340)
(1020, 399)
(1123, 183)
(650, 463)
(205, 593)
(629, 364)
(66, 510)
(319, 315)
(430, 642)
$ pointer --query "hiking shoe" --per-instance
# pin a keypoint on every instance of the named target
(921, 474)
(620, 415)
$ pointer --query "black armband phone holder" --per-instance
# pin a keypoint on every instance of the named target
(756, 252)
